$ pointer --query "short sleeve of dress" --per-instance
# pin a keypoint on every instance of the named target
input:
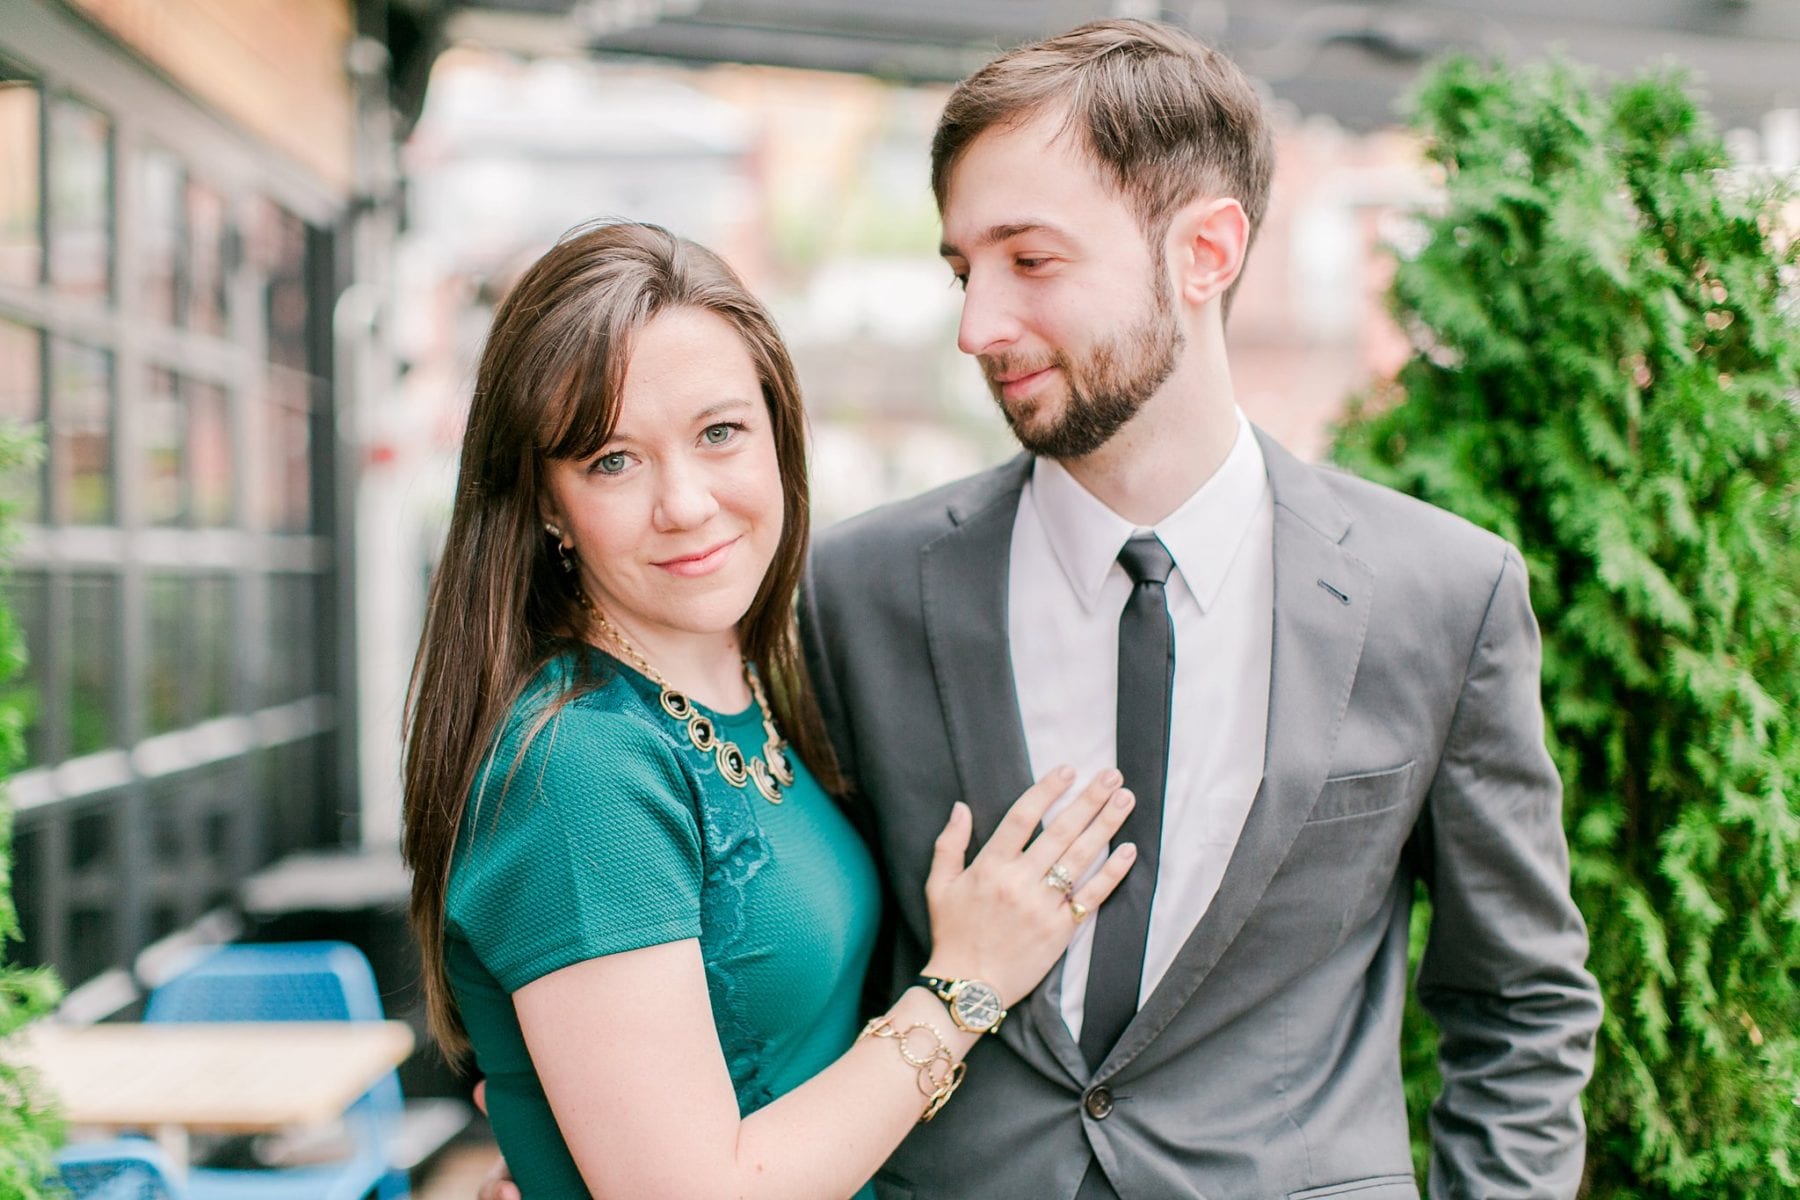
(591, 847)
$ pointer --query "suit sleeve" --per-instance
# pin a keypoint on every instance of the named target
(1503, 972)
(880, 986)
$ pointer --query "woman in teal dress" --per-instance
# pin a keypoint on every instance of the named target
(643, 913)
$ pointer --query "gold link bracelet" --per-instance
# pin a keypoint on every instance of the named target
(939, 1073)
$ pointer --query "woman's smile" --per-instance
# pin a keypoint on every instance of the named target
(701, 562)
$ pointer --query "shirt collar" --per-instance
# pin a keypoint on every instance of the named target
(1203, 535)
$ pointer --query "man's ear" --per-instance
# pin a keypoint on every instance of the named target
(1209, 239)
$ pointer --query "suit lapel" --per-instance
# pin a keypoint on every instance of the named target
(1322, 603)
(963, 585)
(964, 576)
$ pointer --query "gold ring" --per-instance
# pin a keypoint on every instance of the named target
(1058, 877)
(1078, 910)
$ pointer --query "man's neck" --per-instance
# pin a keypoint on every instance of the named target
(1170, 449)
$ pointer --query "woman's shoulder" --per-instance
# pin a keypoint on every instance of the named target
(590, 694)
(585, 726)
(582, 835)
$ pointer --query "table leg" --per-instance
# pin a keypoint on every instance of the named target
(174, 1142)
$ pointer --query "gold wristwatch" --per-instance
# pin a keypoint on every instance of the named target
(974, 1005)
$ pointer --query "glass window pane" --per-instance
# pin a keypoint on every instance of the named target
(168, 655)
(192, 620)
(93, 662)
(187, 459)
(167, 804)
(94, 868)
(81, 423)
(80, 200)
(25, 595)
(168, 658)
(169, 808)
(93, 941)
(160, 259)
(280, 249)
(294, 614)
(211, 611)
(289, 496)
(21, 226)
(206, 259)
(209, 456)
(223, 832)
(21, 404)
(164, 438)
(165, 914)
(219, 799)
(293, 782)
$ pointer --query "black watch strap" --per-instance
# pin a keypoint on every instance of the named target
(937, 987)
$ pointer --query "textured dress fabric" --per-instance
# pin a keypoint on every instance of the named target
(604, 831)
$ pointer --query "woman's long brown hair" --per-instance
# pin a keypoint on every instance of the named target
(500, 608)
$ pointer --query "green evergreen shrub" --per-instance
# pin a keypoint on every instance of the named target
(29, 1128)
(1606, 371)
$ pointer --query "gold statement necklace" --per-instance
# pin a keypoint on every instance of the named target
(770, 771)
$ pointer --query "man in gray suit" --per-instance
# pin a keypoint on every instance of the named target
(1321, 691)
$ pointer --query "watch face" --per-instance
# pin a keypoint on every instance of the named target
(976, 1007)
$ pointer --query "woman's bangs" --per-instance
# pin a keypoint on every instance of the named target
(581, 414)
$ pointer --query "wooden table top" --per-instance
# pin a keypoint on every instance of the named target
(211, 1077)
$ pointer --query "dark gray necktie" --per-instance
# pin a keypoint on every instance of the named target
(1146, 684)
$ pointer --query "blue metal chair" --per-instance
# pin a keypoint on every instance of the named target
(294, 981)
(123, 1169)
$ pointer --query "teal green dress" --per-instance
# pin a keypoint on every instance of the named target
(612, 833)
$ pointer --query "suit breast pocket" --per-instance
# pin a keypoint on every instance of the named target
(1377, 1187)
(1362, 793)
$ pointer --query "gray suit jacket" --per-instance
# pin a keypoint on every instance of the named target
(1405, 741)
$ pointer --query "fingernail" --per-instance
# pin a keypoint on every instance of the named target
(1112, 778)
(1065, 773)
(1123, 798)
(1128, 850)
(958, 808)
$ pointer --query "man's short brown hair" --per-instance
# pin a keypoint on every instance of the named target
(1166, 116)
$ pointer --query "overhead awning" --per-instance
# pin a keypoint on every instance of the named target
(1351, 61)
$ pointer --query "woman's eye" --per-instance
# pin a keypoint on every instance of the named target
(718, 435)
(610, 464)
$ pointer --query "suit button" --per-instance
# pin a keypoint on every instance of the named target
(1099, 1103)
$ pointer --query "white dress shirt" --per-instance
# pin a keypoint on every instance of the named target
(1066, 592)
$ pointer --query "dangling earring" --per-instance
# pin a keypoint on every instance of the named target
(562, 551)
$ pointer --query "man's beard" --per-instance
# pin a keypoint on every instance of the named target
(1105, 391)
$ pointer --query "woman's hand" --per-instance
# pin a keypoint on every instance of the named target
(999, 919)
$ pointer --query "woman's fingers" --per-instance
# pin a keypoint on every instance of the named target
(1089, 846)
(1053, 843)
(950, 850)
(996, 920)
(498, 1184)
(1094, 892)
(1022, 819)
